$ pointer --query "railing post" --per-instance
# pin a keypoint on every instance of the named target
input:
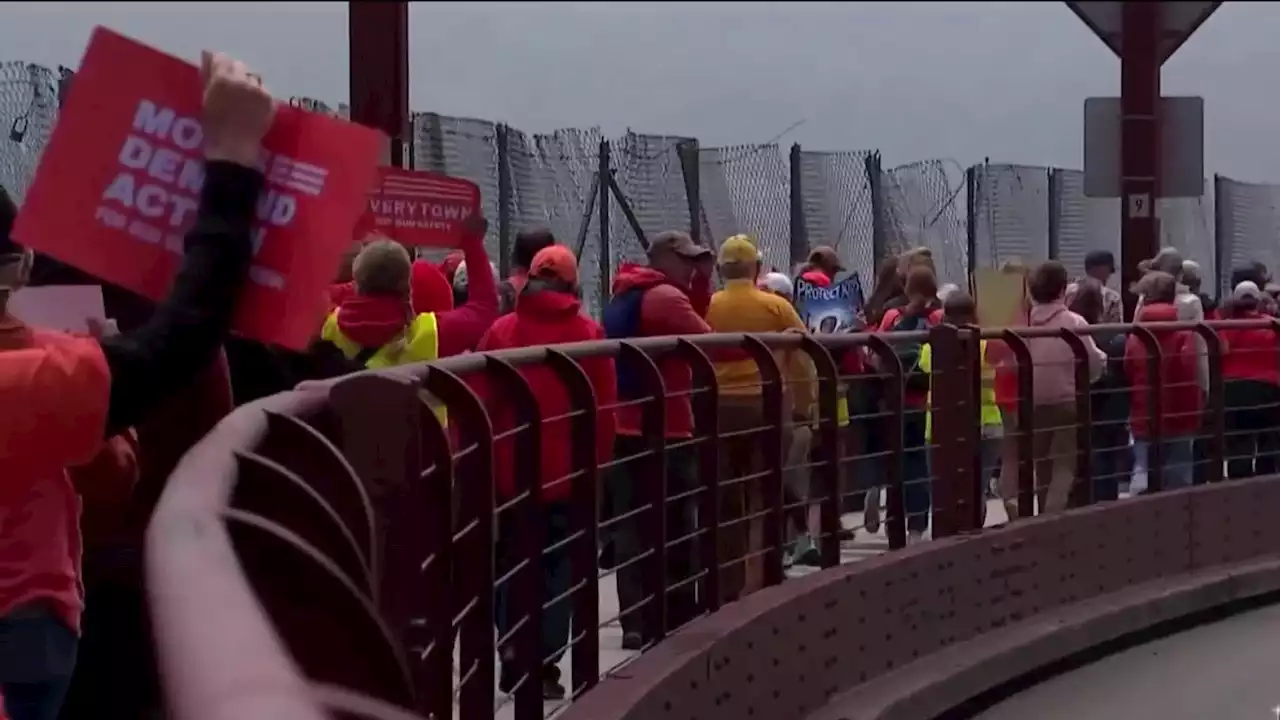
(879, 236)
(502, 137)
(799, 233)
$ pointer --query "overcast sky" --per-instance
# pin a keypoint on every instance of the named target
(914, 80)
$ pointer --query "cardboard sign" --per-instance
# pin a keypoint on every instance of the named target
(1001, 298)
(832, 309)
(66, 308)
(119, 185)
(418, 208)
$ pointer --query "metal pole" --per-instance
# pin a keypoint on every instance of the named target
(1141, 26)
(605, 263)
(879, 224)
(504, 200)
(1054, 248)
(799, 233)
(971, 225)
(379, 74)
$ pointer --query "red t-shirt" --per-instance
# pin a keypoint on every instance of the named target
(53, 409)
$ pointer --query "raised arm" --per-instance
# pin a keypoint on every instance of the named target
(188, 327)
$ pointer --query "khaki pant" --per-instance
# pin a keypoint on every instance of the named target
(1053, 449)
(742, 456)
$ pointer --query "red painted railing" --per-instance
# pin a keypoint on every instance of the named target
(325, 550)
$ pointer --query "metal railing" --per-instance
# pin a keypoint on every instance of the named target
(328, 549)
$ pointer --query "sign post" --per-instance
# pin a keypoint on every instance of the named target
(1140, 62)
(379, 38)
(1144, 35)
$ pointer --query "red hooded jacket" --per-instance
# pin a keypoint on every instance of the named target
(374, 321)
(547, 318)
(430, 290)
(1180, 402)
(1250, 354)
(665, 310)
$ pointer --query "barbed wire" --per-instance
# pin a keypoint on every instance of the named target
(746, 189)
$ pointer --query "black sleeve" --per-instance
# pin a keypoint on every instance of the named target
(183, 335)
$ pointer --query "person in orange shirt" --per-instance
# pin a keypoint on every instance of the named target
(63, 396)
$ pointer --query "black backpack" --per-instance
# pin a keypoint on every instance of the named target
(914, 378)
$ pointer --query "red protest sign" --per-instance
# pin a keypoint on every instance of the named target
(119, 183)
(418, 208)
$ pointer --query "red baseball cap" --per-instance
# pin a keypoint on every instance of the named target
(555, 261)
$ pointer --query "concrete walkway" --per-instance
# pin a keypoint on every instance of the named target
(612, 655)
(1229, 670)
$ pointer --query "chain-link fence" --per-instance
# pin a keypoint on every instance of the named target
(1034, 213)
(28, 108)
(788, 203)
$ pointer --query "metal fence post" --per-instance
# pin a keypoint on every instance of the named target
(605, 265)
(1055, 209)
(1223, 252)
(799, 233)
(971, 223)
(691, 170)
(879, 234)
(504, 200)
(435, 144)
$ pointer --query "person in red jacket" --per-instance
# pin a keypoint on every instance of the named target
(1252, 390)
(429, 290)
(548, 312)
(1180, 398)
(61, 398)
(342, 286)
(655, 300)
(528, 244)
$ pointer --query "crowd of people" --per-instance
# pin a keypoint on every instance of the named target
(99, 422)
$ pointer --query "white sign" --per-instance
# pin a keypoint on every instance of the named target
(66, 308)
(1139, 205)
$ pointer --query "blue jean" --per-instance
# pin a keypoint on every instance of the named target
(1179, 456)
(917, 491)
(37, 657)
(557, 577)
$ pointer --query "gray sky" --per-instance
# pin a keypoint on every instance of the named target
(914, 80)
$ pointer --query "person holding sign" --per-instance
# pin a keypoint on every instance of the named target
(60, 398)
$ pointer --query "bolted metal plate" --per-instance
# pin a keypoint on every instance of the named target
(1181, 20)
(1181, 147)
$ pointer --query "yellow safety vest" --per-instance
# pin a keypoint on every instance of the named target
(420, 342)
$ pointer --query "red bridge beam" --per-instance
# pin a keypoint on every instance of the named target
(1140, 61)
(379, 38)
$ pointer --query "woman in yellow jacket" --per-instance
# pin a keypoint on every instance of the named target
(959, 309)
(377, 327)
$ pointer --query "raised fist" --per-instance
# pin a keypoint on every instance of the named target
(237, 110)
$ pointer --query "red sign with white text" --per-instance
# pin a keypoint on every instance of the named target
(418, 208)
(120, 180)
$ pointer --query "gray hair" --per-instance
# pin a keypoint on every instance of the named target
(1191, 276)
(1168, 260)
